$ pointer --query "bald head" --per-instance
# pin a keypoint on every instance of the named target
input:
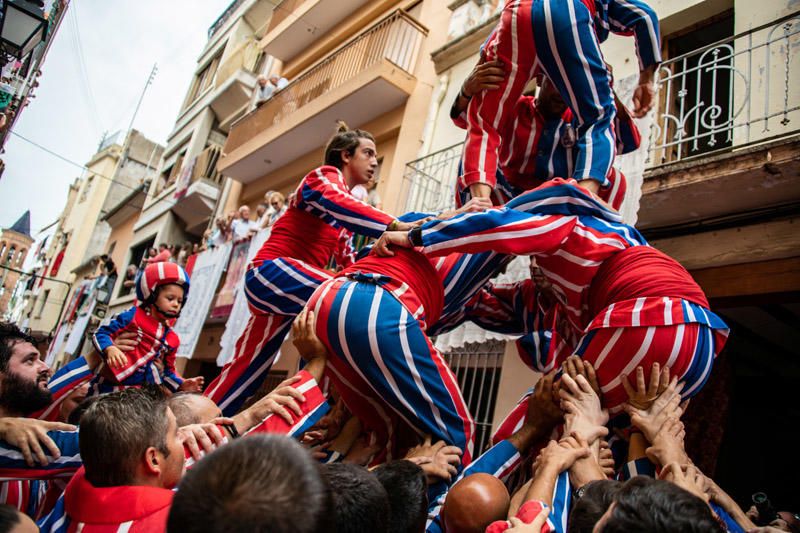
(191, 408)
(475, 502)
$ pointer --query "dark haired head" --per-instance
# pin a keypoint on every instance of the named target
(115, 432)
(255, 484)
(649, 505)
(360, 502)
(407, 490)
(10, 336)
(596, 499)
(9, 518)
(76, 414)
(345, 140)
(23, 385)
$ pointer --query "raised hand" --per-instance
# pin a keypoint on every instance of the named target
(643, 396)
(583, 412)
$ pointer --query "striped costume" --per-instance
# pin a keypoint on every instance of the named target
(621, 303)
(373, 319)
(151, 361)
(561, 39)
(286, 271)
(534, 149)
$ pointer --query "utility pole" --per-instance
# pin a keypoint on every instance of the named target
(150, 79)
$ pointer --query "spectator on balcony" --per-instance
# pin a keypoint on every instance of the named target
(242, 227)
(277, 203)
(221, 233)
(368, 193)
(261, 213)
(130, 278)
(268, 87)
(184, 253)
(164, 254)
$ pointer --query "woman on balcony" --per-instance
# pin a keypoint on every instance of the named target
(291, 264)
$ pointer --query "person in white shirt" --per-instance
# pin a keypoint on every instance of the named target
(242, 226)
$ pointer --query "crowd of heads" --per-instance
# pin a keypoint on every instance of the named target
(273, 483)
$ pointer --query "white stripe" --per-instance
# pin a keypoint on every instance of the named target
(667, 311)
(637, 310)
(608, 347)
(409, 356)
(607, 318)
(634, 362)
(676, 345)
(706, 369)
(510, 234)
(125, 527)
(581, 230)
(577, 260)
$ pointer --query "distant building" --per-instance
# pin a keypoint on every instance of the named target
(15, 243)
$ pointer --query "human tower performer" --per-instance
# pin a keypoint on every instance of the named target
(291, 264)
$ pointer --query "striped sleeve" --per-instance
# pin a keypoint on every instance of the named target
(172, 380)
(62, 383)
(325, 190)
(635, 17)
(504, 230)
(313, 408)
(104, 336)
(13, 465)
(496, 308)
(57, 521)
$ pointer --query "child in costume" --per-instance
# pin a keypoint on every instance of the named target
(161, 290)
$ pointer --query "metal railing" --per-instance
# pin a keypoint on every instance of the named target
(397, 38)
(477, 370)
(730, 93)
(222, 19)
(431, 180)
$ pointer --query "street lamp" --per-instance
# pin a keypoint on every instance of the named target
(21, 28)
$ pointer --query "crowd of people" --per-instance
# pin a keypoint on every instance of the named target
(373, 433)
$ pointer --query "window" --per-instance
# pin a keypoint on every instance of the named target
(204, 78)
(477, 369)
(697, 94)
(136, 255)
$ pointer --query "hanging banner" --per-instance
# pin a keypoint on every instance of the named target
(205, 278)
(239, 313)
(78, 329)
(237, 265)
(184, 179)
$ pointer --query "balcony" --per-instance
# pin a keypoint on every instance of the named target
(234, 83)
(725, 140)
(366, 78)
(296, 24)
(191, 193)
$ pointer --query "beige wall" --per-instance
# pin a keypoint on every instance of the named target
(80, 219)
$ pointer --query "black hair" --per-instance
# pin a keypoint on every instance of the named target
(406, 488)
(596, 499)
(257, 484)
(345, 140)
(10, 336)
(74, 417)
(360, 502)
(650, 505)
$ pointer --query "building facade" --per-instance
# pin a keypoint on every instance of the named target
(19, 77)
(184, 197)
